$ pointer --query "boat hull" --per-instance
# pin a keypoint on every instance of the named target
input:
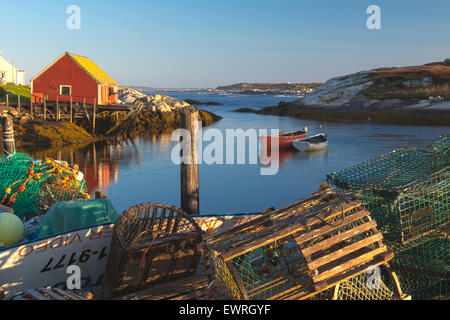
(308, 146)
(284, 142)
(44, 262)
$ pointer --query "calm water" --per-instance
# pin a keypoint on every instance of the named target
(141, 170)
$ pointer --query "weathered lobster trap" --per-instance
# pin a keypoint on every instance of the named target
(423, 266)
(407, 190)
(151, 244)
(298, 251)
(370, 285)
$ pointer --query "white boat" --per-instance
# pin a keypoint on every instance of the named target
(317, 142)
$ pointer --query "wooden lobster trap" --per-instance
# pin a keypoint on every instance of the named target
(151, 244)
(298, 251)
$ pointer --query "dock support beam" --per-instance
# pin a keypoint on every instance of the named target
(8, 135)
(71, 110)
(93, 116)
(189, 171)
(45, 107)
(57, 108)
(31, 107)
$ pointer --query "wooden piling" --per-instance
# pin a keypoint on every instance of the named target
(45, 107)
(85, 110)
(7, 100)
(31, 107)
(18, 102)
(93, 116)
(8, 135)
(189, 168)
(57, 108)
(71, 110)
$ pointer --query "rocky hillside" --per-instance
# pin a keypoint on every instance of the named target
(424, 87)
(154, 103)
(154, 113)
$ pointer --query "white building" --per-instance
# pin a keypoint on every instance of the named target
(9, 73)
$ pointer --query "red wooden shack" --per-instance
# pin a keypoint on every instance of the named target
(72, 75)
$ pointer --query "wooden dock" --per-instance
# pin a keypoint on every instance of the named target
(57, 110)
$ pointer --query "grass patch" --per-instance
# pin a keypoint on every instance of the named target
(14, 90)
(388, 83)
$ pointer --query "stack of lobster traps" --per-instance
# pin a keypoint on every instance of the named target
(324, 246)
(408, 192)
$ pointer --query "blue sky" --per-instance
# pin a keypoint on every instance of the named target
(206, 43)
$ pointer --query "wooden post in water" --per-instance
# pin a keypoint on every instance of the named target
(8, 135)
(7, 100)
(45, 107)
(18, 102)
(93, 116)
(71, 110)
(31, 107)
(189, 170)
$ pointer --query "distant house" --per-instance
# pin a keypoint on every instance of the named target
(75, 76)
(9, 73)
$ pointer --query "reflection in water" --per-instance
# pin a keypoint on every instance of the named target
(287, 156)
(318, 155)
(100, 161)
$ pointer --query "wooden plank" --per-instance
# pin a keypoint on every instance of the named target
(339, 238)
(265, 286)
(305, 294)
(264, 218)
(349, 264)
(285, 232)
(192, 287)
(344, 251)
(36, 295)
(51, 294)
(325, 229)
(67, 294)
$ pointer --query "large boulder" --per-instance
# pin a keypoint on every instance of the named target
(129, 96)
(160, 103)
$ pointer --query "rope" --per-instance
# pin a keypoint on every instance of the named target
(331, 224)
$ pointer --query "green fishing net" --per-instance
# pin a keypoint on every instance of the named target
(25, 183)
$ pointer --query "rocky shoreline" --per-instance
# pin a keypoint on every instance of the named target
(418, 95)
(147, 114)
(428, 118)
